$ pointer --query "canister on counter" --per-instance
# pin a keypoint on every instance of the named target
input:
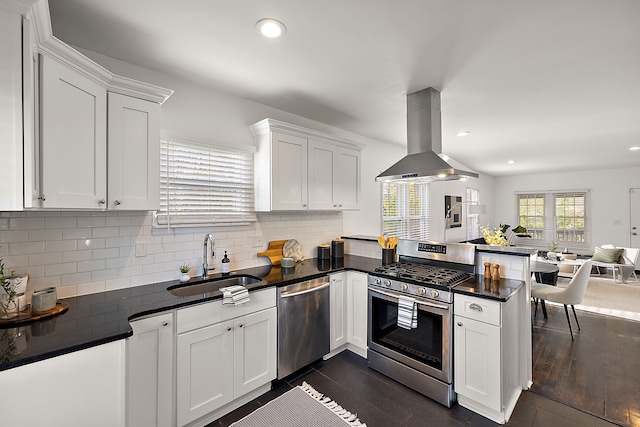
(324, 251)
(337, 248)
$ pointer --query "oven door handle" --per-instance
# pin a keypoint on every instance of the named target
(428, 304)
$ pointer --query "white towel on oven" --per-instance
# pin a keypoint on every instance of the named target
(407, 312)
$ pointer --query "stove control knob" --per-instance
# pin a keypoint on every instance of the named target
(422, 291)
(434, 293)
(377, 281)
(404, 286)
(387, 283)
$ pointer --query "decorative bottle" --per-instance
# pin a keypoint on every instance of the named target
(487, 270)
(495, 272)
(225, 263)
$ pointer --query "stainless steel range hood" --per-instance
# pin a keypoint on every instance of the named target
(424, 160)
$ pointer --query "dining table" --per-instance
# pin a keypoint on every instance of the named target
(545, 272)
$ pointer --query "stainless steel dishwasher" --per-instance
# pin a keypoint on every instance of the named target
(303, 324)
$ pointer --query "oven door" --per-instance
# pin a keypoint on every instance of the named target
(425, 348)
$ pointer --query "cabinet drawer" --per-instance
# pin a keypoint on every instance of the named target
(209, 313)
(479, 309)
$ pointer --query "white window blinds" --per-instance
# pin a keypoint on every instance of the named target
(405, 210)
(204, 185)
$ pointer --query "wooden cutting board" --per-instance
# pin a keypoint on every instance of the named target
(274, 251)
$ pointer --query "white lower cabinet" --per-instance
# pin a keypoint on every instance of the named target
(486, 355)
(357, 312)
(149, 370)
(349, 312)
(338, 308)
(223, 361)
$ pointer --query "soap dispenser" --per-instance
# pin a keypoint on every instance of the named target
(225, 263)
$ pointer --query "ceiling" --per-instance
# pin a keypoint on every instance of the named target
(551, 84)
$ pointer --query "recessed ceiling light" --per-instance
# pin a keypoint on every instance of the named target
(463, 133)
(510, 162)
(636, 148)
(271, 28)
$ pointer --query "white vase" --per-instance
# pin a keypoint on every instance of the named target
(184, 277)
(551, 255)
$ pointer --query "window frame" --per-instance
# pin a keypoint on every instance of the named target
(204, 185)
(550, 228)
(414, 219)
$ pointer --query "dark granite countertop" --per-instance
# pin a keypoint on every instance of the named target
(496, 290)
(103, 317)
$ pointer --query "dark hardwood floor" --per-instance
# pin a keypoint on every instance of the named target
(598, 372)
(382, 402)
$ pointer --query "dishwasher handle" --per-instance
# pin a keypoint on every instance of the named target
(306, 291)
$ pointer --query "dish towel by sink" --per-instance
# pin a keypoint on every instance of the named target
(234, 295)
(407, 312)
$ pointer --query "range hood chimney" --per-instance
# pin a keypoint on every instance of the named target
(424, 160)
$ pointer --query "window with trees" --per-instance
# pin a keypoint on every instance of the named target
(405, 210)
(561, 217)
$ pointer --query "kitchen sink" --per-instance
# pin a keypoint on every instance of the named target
(212, 285)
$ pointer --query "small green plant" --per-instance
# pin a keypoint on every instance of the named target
(552, 246)
(8, 302)
(184, 268)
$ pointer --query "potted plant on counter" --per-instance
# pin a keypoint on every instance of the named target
(8, 294)
(184, 273)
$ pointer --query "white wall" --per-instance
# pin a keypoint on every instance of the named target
(608, 199)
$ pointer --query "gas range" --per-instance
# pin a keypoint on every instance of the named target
(410, 320)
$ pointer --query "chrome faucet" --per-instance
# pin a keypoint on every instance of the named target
(205, 256)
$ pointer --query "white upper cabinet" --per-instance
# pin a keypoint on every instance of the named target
(75, 120)
(302, 169)
(288, 173)
(73, 138)
(133, 153)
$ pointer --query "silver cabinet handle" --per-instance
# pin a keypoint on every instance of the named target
(476, 307)
(165, 323)
(240, 325)
(42, 198)
(459, 323)
(102, 201)
(116, 202)
(228, 328)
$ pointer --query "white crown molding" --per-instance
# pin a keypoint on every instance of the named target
(21, 7)
(51, 46)
(267, 125)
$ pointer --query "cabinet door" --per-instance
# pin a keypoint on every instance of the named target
(150, 372)
(348, 173)
(357, 309)
(134, 154)
(11, 110)
(323, 176)
(255, 351)
(477, 361)
(338, 309)
(288, 172)
(204, 371)
(73, 138)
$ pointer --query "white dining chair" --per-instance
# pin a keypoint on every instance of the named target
(570, 295)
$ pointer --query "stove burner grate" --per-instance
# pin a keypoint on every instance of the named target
(429, 275)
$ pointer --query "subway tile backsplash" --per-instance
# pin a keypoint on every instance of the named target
(87, 252)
